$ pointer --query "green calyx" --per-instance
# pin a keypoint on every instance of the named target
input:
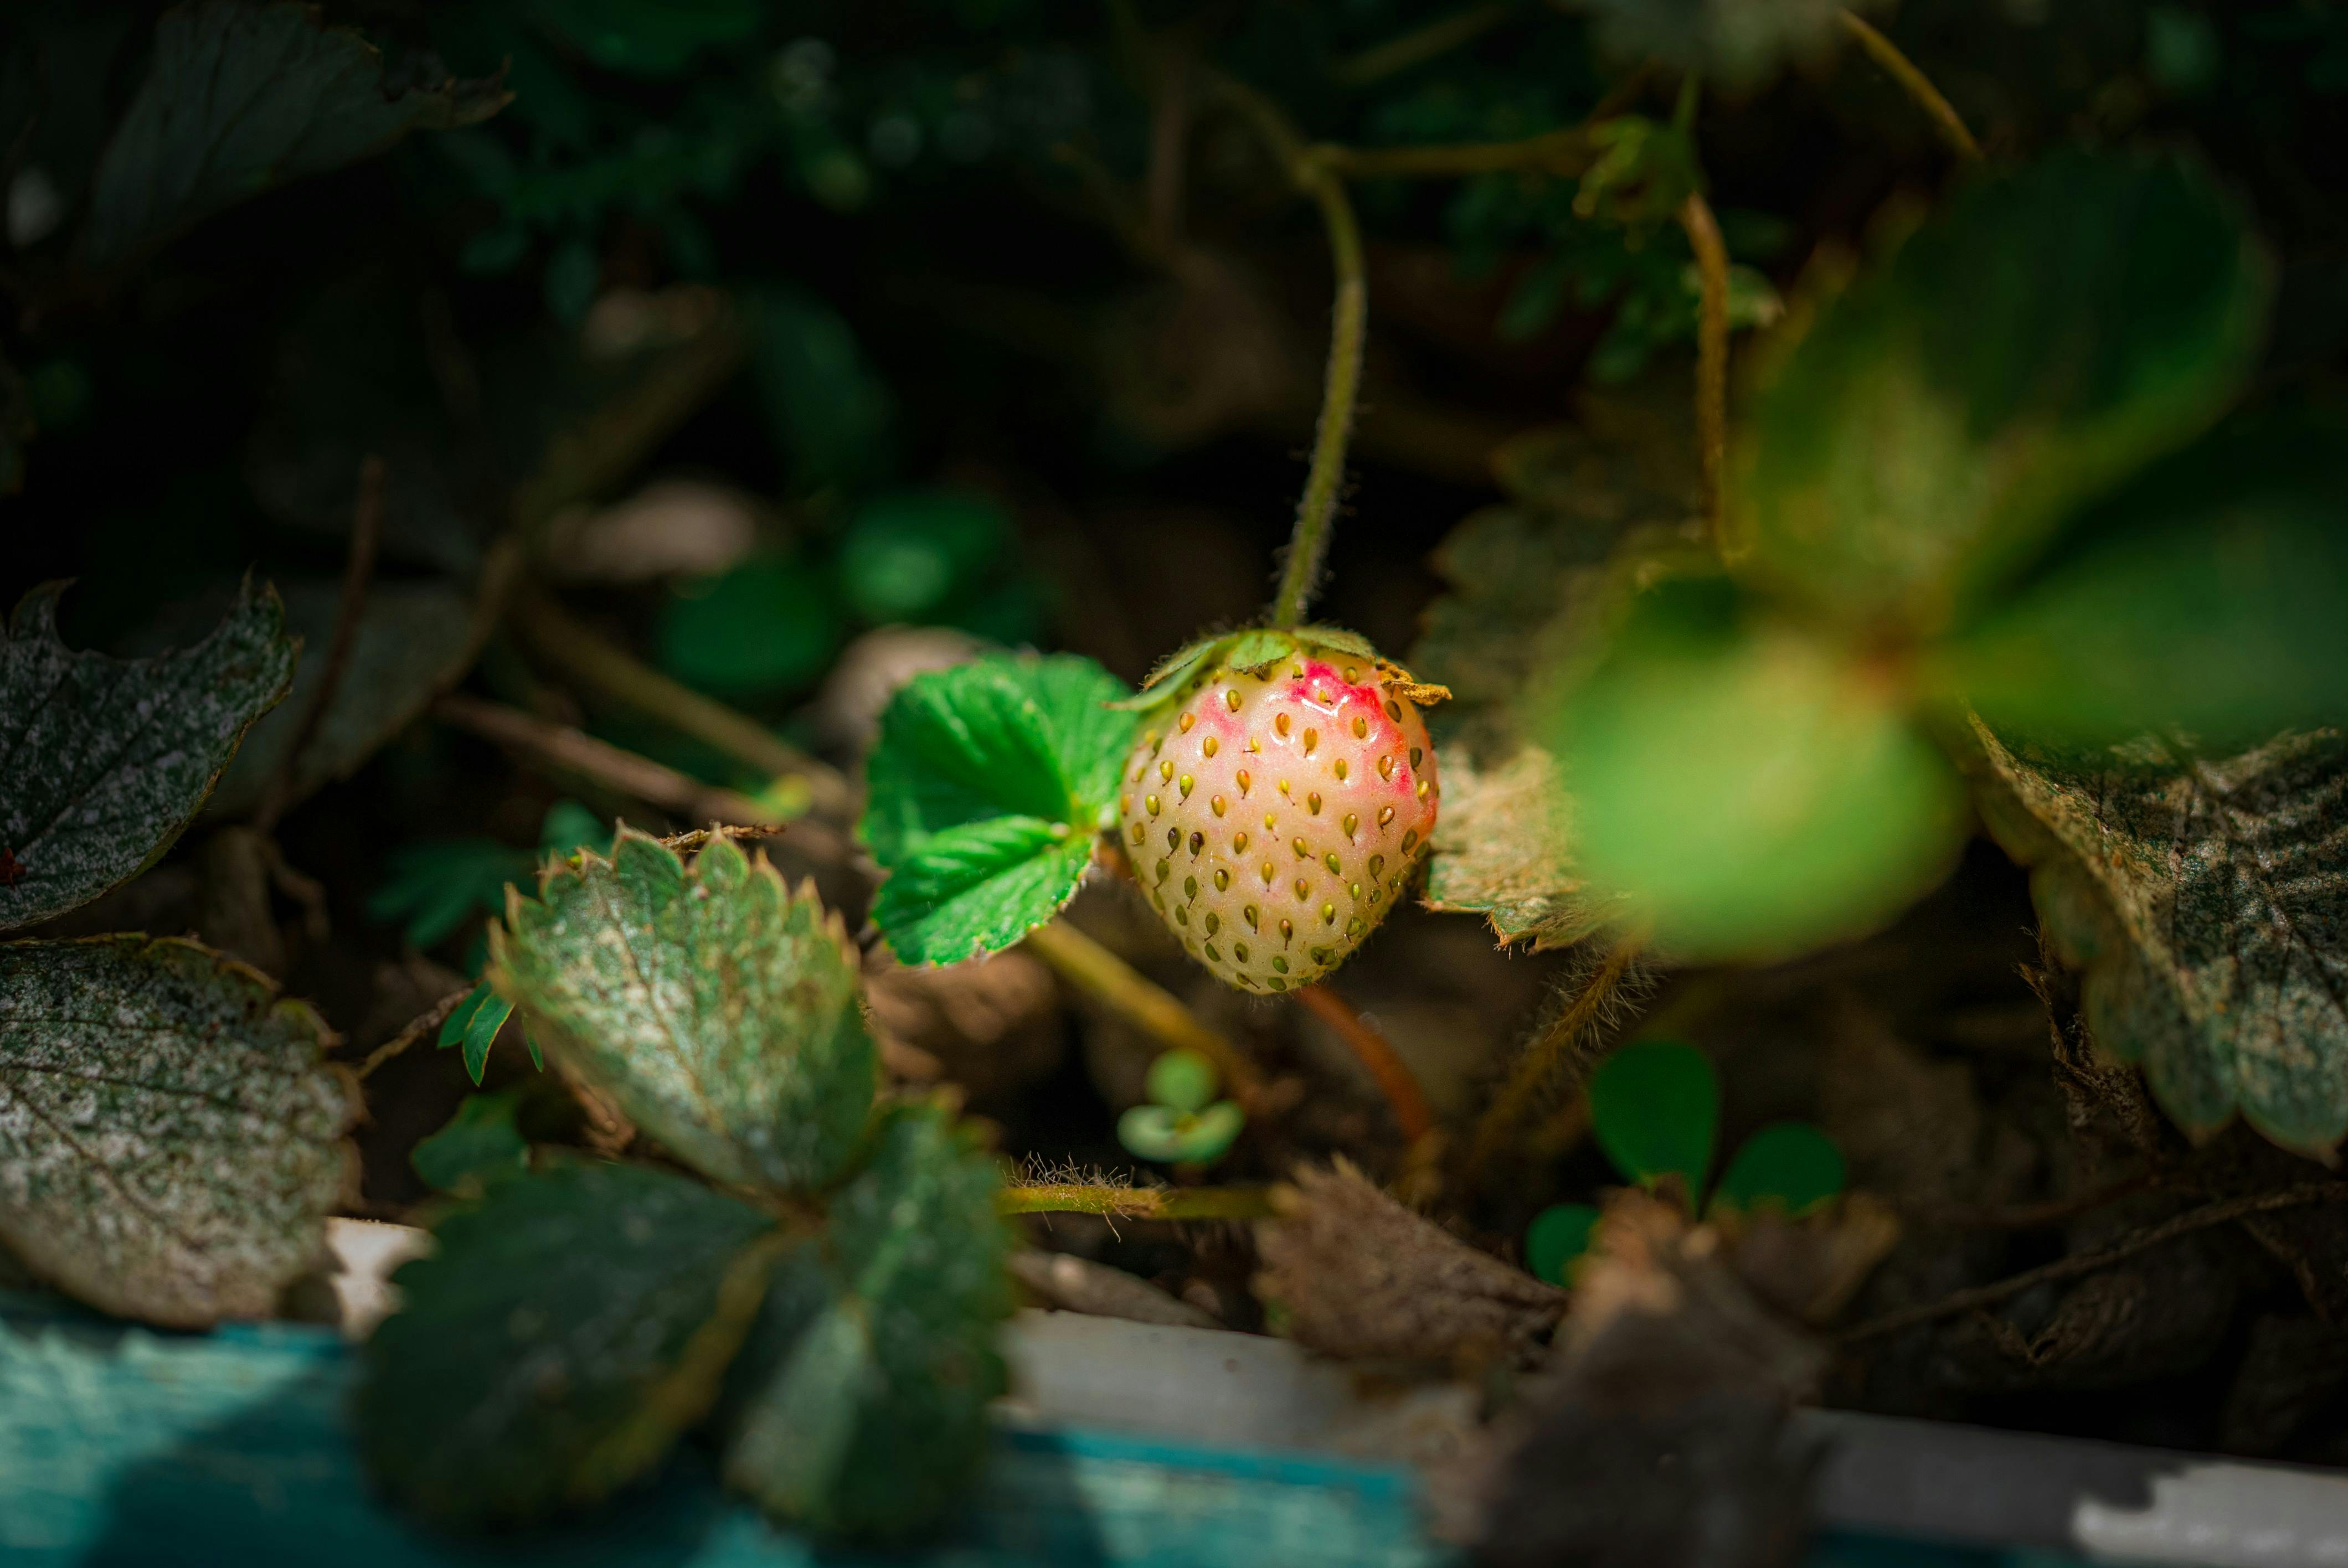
(1255, 648)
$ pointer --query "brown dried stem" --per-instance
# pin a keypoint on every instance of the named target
(1915, 83)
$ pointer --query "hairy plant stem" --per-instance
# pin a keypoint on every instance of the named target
(1540, 1063)
(1143, 1003)
(1137, 1202)
(564, 641)
(1711, 361)
(1375, 1053)
(1915, 83)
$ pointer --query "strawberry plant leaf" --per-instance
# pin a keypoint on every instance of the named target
(1181, 1137)
(717, 1008)
(434, 886)
(415, 640)
(1655, 1108)
(241, 96)
(864, 1390)
(2204, 901)
(479, 1145)
(986, 789)
(2209, 602)
(1502, 850)
(2054, 330)
(568, 1328)
(172, 1140)
(107, 760)
(1744, 786)
(1790, 1166)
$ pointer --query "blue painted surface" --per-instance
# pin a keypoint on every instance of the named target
(122, 1447)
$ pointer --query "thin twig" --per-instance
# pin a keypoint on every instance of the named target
(2030, 1217)
(1143, 1003)
(1711, 359)
(1438, 37)
(430, 1019)
(2128, 1246)
(1538, 1065)
(1377, 1053)
(358, 569)
(1169, 139)
(1137, 1202)
(1915, 83)
(563, 641)
(1565, 153)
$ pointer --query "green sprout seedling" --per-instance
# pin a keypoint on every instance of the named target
(1183, 1123)
(1655, 1108)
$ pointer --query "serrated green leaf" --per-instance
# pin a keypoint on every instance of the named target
(987, 786)
(2204, 898)
(1256, 648)
(979, 887)
(1655, 1108)
(1751, 790)
(1791, 1168)
(568, 1326)
(2211, 601)
(717, 1010)
(106, 760)
(244, 95)
(477, 1146)
(2052, 331)
(865, 1387)
(172, 1140)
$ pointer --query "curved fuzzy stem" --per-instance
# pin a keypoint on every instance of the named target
(1143, 1003)
(1711, 360)
(1137, 1202)
(1915, 83)
(1341, 388)
(1540, 1063)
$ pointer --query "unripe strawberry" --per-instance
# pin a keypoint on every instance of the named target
(1274, 810)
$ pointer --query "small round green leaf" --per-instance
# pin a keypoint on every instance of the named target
(1178, 1138)
(1654, 1106)
(1182, 1080)
(1791, 1168)
(912, 555)
(1558, 1237)
(767, 627)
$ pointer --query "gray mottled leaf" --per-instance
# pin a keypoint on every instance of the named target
(2207, 901)
(1501, 850)
(103, 760)
(414, 640)
(865, 1387)
(170, 1139)
(242, 96)
(568, 1328)
(718, 1009)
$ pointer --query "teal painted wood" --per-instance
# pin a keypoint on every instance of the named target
(120, 1446)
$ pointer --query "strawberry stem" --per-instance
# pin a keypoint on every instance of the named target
(1915, 83)
(1711, 361)
(1143, 1003)
(1136, 1203)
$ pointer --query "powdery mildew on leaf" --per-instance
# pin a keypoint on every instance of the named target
(1501, 851)
(863, 1392)
(567, 1329)
(103, 760)
(171, 1138)
(720, 1010)
(2206, 902)
(242, 96)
